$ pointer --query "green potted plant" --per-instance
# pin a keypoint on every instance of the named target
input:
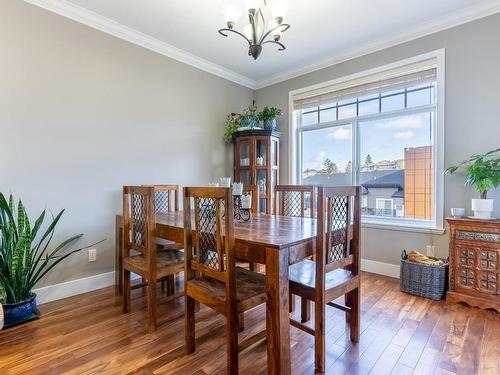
(25, 258)
(232, 125)
(482, 171)
(268, 116)
(249, 117)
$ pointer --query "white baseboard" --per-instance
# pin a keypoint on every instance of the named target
(74, 287)
(103, 280)
(380, 268)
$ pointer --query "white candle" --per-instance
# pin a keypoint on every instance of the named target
(246, 201)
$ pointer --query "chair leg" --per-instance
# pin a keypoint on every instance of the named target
(126, 290)
(319, 336)
(353, 301)
(241, 322)
(305, 310)
(143, 281)
(189, 324)
(291, 302)
(232, 343)
(251, 266)
(151, 305)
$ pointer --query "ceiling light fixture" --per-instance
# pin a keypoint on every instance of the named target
(256, 33)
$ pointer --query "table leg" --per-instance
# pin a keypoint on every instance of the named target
(277, 316)
(118, 258)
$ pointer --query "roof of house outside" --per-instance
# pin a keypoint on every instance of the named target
(369, 179)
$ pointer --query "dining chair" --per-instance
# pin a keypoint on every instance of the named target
(211, 275)
(296, 201)
(335, 270)
(167, 200)
(139, 249)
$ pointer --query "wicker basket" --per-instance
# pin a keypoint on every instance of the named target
(423, 280)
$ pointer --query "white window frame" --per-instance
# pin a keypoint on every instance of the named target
(436, 224)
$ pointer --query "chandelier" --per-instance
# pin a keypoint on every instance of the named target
(259, 31)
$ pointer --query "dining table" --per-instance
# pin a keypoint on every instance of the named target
(277, 242)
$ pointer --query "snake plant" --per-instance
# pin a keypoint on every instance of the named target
(24, 250)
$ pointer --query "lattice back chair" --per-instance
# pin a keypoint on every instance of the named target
(139, 251)
(211, 275)
(166, 198)
(335, 271)
(294, 200)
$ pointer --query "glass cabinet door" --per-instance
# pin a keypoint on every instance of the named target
(274, 153)
(261, 157)
(244, 153)
(244, 177)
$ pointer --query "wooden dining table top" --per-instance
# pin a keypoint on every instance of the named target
(262, 229)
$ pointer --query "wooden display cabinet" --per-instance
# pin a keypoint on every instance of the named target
(256, 162)
(475, 262)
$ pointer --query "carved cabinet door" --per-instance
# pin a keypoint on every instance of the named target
(466, 267)
(488, 270)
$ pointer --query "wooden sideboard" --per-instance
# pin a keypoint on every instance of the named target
(475, 262)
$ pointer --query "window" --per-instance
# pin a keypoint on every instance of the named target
(380, 134)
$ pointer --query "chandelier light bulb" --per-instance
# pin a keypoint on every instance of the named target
(248, 32)
(278, 10)
(231, 15)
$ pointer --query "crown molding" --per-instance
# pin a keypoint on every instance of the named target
(469, 14)
(96, 21)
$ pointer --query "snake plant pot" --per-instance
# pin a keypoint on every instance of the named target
(17, 313)
(270, 124)
(482, 208)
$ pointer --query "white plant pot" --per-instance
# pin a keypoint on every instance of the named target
(482, 208)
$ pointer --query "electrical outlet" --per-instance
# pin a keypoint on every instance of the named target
(430, 250)
(92, 255)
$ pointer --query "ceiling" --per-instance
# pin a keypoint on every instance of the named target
(322, 31)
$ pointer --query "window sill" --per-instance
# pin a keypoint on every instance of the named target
(401, 227)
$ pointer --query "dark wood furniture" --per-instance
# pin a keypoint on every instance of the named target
(139, 253)
(167, 200)
(294, 200)
(335, 271)
(474, 273)
(275, 241)
(212, 277)
(256, 162)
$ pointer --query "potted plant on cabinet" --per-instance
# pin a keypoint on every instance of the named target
(25, 258)
(249, 118)
(482, 171)
(268, 116)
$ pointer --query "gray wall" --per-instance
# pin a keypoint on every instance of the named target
(472, 115)
(83, 113)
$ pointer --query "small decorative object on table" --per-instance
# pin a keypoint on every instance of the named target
(423, 276)
(482, 172)
(268, 116)
(458, 212)
(242, 203)
(225, 182)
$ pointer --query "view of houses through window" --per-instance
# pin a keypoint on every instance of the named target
(382, 142)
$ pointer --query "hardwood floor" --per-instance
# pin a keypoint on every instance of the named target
(401, 334)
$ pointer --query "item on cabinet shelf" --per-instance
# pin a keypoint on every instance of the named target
(262, 185)
(483, 173)
(245, 162)
(237, 188)
(425, 277)
(213, 184)
(475, 262)
(260, 160)
(458, 212)
(225, 181)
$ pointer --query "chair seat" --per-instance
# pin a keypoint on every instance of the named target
(250, 290)
(165, 245)
(303, 275)
(166, 261)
